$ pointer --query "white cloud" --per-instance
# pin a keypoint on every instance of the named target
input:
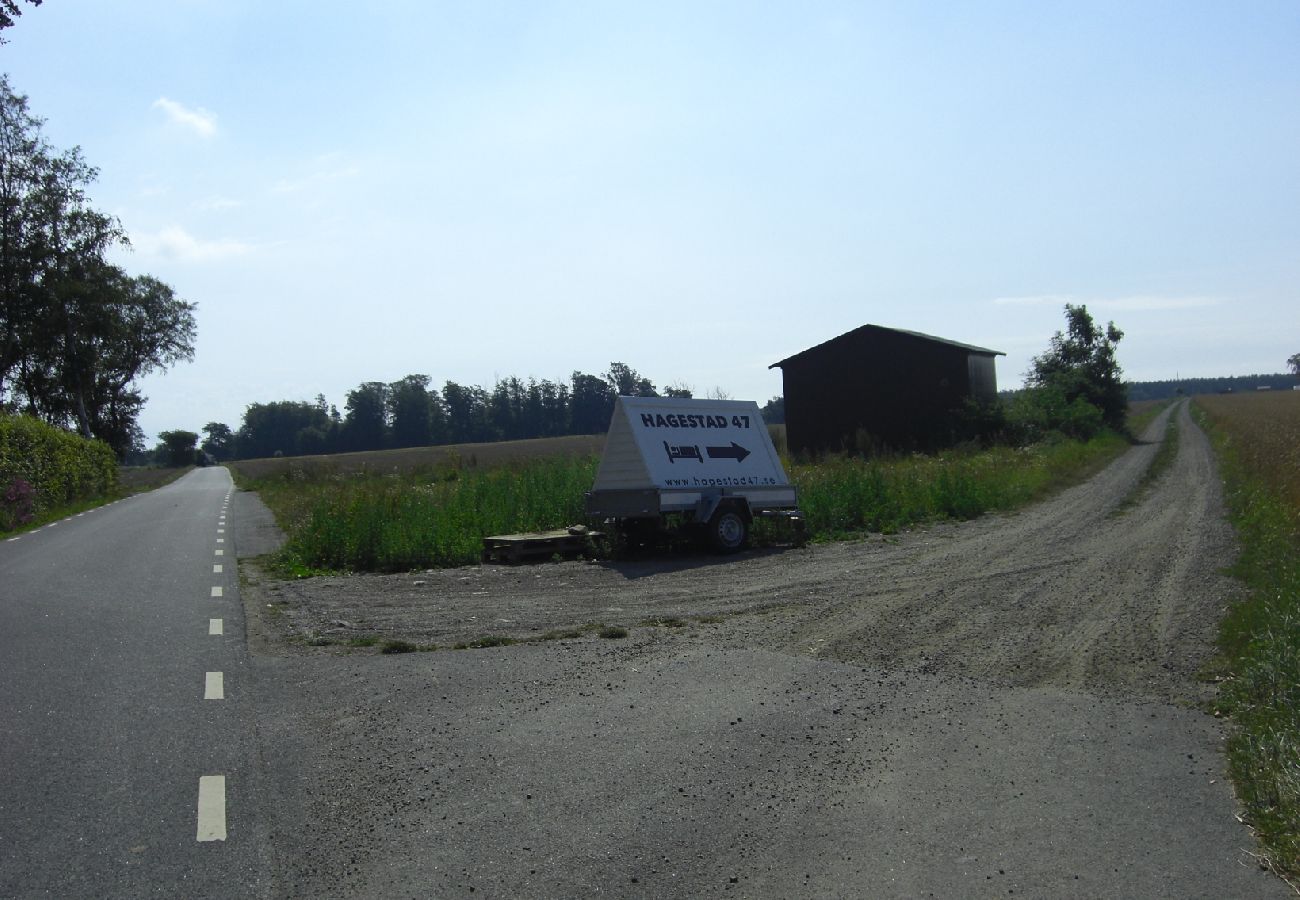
(199, 120)
(174, 242)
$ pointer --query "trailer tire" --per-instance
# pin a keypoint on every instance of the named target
(728, 530)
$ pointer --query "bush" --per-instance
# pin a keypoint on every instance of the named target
(1042, 413)
(43, 468)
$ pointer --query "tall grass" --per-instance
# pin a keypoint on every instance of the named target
(842, 497)
(433, 518)
(1257, 439)
(399, 523)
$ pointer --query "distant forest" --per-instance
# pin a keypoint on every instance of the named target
(411, 412)
(1164, 390)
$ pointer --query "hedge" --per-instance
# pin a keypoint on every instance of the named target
(43, 468)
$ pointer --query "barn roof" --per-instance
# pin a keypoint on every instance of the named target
(983, 351)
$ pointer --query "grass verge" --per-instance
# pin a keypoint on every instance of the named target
(1260, 636)
(1159, 464)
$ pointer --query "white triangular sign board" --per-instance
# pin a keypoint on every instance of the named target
(675, 443)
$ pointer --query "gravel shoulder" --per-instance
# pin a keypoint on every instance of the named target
(1004, 706)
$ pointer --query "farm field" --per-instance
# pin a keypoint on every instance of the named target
(1257, 437)
(1262, 430)
(419, 459)
(1012, 705)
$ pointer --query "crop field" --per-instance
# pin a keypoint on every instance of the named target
(1263, 431)
(415, 460)
(1257, 437)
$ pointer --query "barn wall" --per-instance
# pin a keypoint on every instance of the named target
(892, 388)
(983, 377)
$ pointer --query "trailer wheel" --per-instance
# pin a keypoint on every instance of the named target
(728, 531)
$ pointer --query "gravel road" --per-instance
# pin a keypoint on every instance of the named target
(1003, 707)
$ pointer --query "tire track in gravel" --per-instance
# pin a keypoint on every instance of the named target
(1066, 594)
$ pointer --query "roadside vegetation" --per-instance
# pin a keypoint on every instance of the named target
(354, 516)
(79, 332)
(1257, 438)
(46, 472)
(427, 518)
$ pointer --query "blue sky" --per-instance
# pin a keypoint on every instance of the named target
(356, 192)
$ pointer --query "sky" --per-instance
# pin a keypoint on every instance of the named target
(477, 190)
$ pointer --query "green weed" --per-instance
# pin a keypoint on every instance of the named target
(426, 518)
(848, 496)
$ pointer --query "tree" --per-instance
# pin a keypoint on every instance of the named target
(774, 411)
(287, 427)
(679, 389)
(75, 331)
(178, 448)
(467, 413)
(114, 329)
(1294, 364)
(1081, 366)
(627, 382)
(9, 10)
(506, 409)
(220, 441)
(410, 409)
(365, 426)
(591, 404)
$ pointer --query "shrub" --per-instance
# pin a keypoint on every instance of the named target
(1041, 413)
(16, 505)
(43, 468)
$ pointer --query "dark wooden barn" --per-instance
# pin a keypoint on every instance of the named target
(880, 387)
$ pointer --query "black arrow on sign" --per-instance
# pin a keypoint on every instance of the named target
(735, 451)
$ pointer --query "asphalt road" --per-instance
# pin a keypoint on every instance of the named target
(124, 775)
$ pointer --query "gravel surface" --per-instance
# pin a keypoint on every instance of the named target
(1003, 707)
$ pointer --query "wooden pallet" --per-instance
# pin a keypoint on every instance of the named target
(535, 545)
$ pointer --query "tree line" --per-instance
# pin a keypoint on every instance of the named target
(411, 412)
(1231, 384)
(76, 331)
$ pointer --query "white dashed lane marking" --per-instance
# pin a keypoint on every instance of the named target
(216, 626)
(212, 808)
(217, 592)
(219, 553)
(214, 686)
(216, 568)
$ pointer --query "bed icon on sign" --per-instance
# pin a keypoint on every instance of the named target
(686, 451)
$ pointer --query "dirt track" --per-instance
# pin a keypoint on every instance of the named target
(1074, 593)
(1003, 706)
